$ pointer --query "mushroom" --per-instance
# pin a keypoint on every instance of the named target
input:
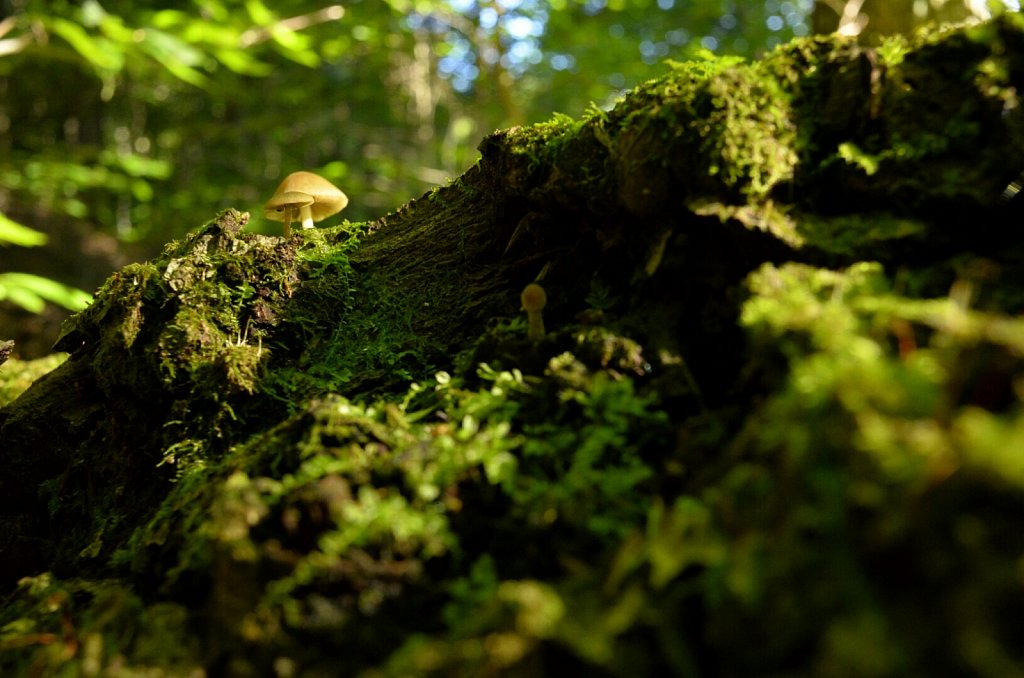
(304, 196)
(534, 298)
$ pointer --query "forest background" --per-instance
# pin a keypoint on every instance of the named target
(123, 125)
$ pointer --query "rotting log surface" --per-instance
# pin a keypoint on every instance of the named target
(771, 420)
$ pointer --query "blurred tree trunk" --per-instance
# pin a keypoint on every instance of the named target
(875, 18)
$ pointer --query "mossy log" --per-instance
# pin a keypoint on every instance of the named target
(774, 426)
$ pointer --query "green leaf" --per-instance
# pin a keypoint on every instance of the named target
(19, 296)
(32, 291)
(11, 232)
(175, 55)
(241, 63)
(294, 46)
(169, 18)
(259, 12)
(136, 165)
(100, 52)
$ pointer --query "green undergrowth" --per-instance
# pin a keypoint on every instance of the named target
(509, 522)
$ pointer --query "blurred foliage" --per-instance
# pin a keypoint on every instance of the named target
(142, 119)
(31, 292)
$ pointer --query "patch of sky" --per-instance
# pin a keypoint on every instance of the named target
(488, 18)
(652, 52)
(562, 62)
(521, 25)
(677, 37)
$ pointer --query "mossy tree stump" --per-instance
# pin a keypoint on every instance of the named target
(774, 425)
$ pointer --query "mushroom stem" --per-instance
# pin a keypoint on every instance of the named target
(287, 223)
(534, 326)
(306, 214)
(534, 299)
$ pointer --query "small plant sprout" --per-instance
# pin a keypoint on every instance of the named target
(305, 197)
(534, 298)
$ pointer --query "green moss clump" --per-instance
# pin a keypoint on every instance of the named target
(341, 511)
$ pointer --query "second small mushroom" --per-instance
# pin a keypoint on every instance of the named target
(533, 299)
(305, 197)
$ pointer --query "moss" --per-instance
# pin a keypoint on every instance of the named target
(373, 496)
(112, 627)
(544, 141)
(720, 132)
(18, 375)
(780, 391)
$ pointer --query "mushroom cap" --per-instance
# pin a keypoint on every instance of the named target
(533, 297)
(300, 189)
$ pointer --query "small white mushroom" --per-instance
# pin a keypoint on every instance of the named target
(305, 197)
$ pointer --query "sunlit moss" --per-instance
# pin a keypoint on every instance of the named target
(18, 375)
